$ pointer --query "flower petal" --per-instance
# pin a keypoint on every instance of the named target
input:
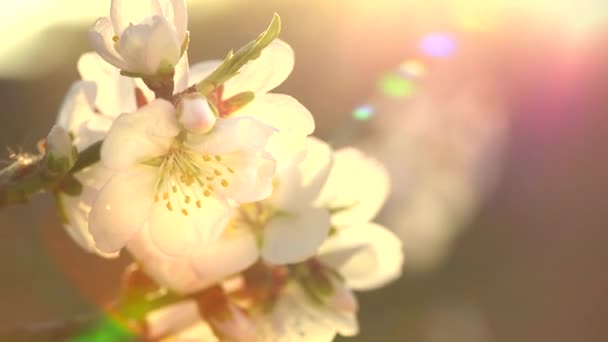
(100, 37)
(236, 250)
(122, 207)
(264, 73)
(367, 255)
(77, 106)
(234, 135)
(300, 184)
(175, 11)
(147, 46)
(175, 273)
(296, 236)
(115, 93)
(171, 231)
(125, 13)
(359, 203)
(295, 319)
(163, 46)
(136, 137)
(200, 71)
(77, 208)
(176, 233)
(252, 179)
(180, 79)
(291, 119)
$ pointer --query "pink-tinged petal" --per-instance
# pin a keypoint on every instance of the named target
(200, 71)
(122, 207)
(77, 106)
(140, 136)
(359, 203)
(264, 73)
(292, 121)
(236, 250)
(125, 13)
(196, 115)
(367, 255)
(100, 38)
(295, 237)
(115, 93)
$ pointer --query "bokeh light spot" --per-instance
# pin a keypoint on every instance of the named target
(412, 68)
(363, 113)
(394, 85)
(438, 45)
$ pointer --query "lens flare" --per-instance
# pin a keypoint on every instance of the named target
(438, 45)
(394, 85)
(412, 68)
(363, 113)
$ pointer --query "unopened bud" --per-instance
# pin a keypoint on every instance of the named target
(60, 153)
(196, 115)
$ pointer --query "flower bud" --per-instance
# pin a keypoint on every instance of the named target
(60, 153)
(196, 115)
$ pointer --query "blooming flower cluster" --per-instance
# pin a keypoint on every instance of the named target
(214, 186)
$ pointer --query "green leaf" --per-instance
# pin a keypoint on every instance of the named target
(235, 61)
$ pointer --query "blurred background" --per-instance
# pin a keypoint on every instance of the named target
(490, 115)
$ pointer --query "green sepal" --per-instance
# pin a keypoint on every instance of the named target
(235, 61)
(185, 44)
(237, 102)
(165, 68)
(131, 74)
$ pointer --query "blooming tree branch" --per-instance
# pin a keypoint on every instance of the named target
(242, 226)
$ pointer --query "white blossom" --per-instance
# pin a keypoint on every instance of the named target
(317, 303)
(87, 112)
(291, 119)
(142, 36)
(287, 227)
(179, 186)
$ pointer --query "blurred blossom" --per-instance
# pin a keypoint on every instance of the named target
(438, 45)
(393, 85)
(442, 152)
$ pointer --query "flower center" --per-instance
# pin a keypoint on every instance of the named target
(186, 177)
